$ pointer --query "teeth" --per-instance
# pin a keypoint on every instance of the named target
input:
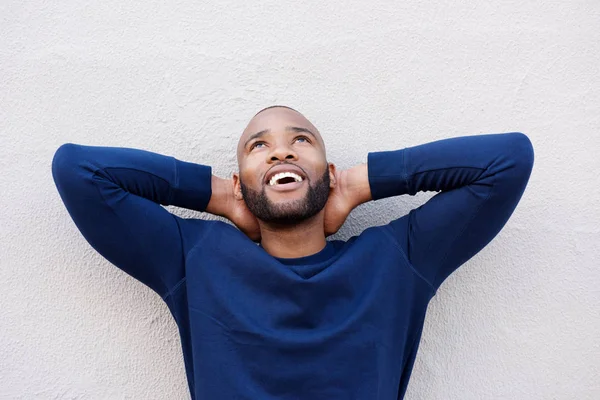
(282, 175)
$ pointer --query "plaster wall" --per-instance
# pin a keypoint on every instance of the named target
(520, 320)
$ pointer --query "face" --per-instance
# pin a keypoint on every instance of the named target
(284, 176)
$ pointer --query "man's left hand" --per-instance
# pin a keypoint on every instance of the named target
(350, 190)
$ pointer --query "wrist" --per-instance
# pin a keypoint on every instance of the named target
(358, 184)
(221, 196)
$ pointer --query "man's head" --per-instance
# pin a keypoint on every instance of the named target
(284, 176)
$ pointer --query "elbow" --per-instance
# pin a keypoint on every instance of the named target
(521, 151)
(63, 161)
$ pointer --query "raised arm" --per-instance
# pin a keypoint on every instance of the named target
(481, 179)
(113, 195)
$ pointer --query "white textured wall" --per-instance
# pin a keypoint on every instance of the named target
(518, 321)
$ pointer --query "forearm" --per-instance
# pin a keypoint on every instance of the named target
(448, 164)
(162, 179)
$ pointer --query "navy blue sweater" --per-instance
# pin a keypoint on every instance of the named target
(344, 323)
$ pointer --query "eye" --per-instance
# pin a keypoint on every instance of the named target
(253, 145)
(303, 138)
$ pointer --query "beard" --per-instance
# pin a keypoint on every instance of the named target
(291, 212)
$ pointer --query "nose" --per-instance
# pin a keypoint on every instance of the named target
(282, 152)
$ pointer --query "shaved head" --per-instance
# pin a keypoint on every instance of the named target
(265, 117)
(268, 108)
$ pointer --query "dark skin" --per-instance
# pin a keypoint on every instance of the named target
(304, 149)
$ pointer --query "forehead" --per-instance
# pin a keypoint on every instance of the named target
(276, 119)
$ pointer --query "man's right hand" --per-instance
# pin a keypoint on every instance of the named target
(241, 216)
(223, 203)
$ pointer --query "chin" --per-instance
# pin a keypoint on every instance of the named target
(291, 205)
(286, 197)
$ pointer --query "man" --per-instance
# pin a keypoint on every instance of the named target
(296, 316)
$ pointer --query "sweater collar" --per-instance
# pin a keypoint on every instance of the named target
(327, 252)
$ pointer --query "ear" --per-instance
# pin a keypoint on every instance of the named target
(332, 175)
(237, 188)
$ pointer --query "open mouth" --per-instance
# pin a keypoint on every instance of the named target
(284, 178)
(286, 182)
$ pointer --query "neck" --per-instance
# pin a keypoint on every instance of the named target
(292, 241)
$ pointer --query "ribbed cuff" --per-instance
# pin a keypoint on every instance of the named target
(387, 173)
(193, 185)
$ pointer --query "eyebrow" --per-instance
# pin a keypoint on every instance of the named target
(287, 128)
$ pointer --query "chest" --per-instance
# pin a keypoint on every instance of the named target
(248, 295)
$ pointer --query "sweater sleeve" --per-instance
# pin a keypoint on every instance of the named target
(114, 196)
(480, 178)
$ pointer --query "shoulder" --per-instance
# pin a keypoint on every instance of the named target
(195, 230)
(384, 231)
(380, 235)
